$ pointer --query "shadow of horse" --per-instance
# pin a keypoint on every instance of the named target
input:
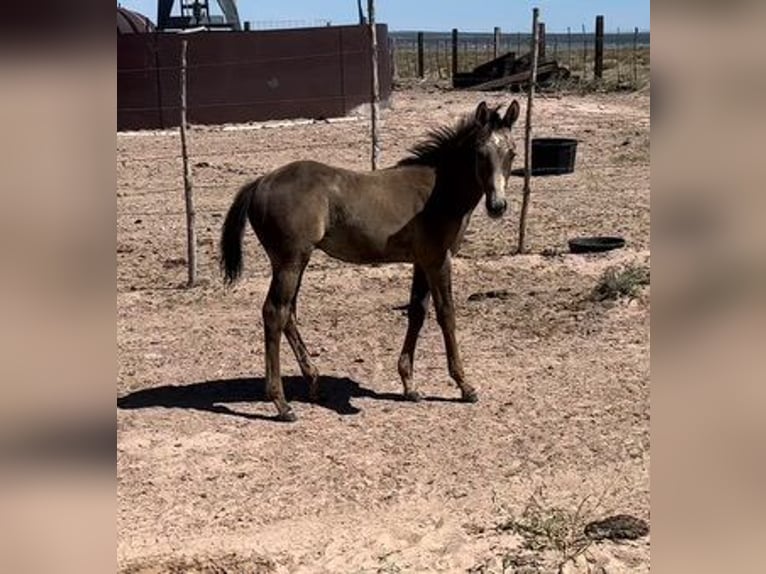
(215, 396)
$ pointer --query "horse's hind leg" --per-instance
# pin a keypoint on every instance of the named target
(276, 315)
(416, 314)
(307, 367)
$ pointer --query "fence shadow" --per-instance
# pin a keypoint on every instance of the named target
(215, 396)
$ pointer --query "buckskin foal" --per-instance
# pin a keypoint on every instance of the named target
(414, 212)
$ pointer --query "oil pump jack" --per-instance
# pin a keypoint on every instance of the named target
(196, 13)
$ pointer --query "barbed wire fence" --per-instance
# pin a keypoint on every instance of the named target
(170, 165)
(166, 198)
(429, 55)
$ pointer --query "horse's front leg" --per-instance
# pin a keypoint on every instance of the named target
(416, 314)
(440, 283)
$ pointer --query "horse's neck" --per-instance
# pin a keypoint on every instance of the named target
(456, 191)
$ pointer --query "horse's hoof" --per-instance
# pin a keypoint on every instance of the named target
(413, 396)
(287, 417)
(470, 396)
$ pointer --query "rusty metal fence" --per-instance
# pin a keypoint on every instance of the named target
(237, 77)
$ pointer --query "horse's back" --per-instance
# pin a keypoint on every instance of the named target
(348, 214)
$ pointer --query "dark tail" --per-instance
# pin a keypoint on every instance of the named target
(233, 230)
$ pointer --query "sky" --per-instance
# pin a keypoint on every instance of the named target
(441, 15)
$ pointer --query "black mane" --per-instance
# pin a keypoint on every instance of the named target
(446, 142)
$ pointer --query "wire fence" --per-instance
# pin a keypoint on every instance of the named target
(625, 60)
(165, 199)
(212, 147)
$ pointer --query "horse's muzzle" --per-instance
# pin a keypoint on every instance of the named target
(496, 207)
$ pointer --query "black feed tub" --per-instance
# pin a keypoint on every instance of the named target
(595, 244)
(553, 156)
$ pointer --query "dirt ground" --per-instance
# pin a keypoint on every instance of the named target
(364, 482)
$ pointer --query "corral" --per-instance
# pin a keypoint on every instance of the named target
(365, 482)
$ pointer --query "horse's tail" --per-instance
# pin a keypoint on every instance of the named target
(233, 231)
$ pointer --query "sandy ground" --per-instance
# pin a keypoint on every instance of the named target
(208, 482)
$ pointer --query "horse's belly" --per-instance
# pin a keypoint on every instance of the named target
(355, 246)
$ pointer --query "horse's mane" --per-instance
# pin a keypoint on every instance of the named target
(446, 142)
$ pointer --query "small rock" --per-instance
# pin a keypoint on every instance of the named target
(619, 527)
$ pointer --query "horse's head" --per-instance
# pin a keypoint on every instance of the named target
(495, 154)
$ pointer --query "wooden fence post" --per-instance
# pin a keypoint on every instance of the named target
(421, 67)
(541, 40)
(635, 57)
(569, 45)
(584, 52)
(375, 87)
(454, 52)
(528, 132)
(496, 51)
(598, 66)
(618, 51)
(191, 239)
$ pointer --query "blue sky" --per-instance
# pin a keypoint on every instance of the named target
(440, 15)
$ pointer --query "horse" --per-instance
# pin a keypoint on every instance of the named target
(415, 211)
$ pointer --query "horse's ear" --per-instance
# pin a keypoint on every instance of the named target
(512, 114)
(482, 113)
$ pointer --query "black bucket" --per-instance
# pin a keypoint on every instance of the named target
(553, 156)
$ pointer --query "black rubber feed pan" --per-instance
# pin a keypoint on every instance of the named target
(553, 156)
(595, 244)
